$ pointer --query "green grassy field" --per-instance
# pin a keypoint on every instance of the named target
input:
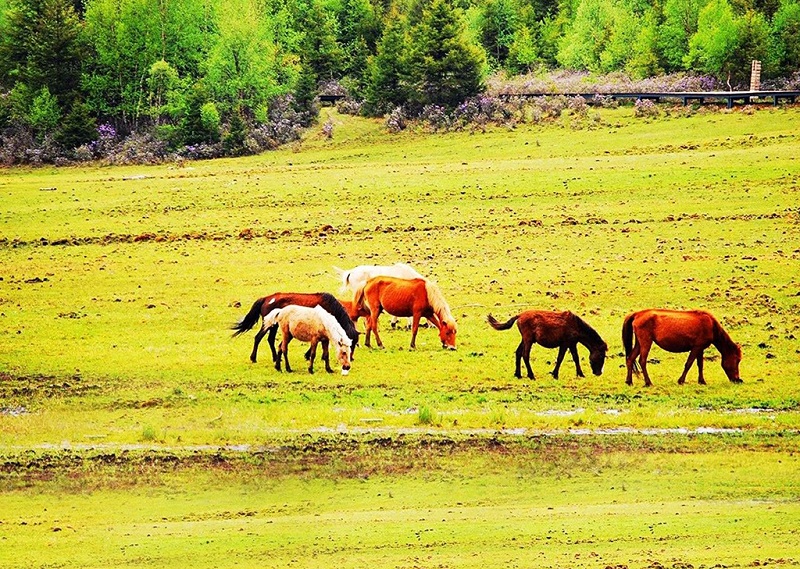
(119, 286)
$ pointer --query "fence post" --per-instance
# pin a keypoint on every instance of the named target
(755, 75)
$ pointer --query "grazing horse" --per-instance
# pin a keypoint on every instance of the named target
(313, 325)
(263, 306)
(357, 277)
(417, 298)
(678, 331)
(562, 330)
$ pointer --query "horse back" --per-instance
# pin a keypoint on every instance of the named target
(549, 329)
(676, 330)
(398, 297)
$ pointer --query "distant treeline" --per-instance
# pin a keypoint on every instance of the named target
(130, 78)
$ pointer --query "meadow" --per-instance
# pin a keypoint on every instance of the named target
(120, 383)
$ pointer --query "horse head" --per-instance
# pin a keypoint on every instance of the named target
(343, 354)
(597, 357)
(447, 334)
(730, 363)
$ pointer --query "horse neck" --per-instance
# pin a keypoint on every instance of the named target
(438, 303)
(588, 336)
(722, 340)
(334, 330)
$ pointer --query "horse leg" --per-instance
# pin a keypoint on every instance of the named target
(414, 329)
(326, 355)
(573, 349)
(313, 351)
(689, 362)
(526, 355)
(700, 379)
(285, 350)
(373, 320)
(260, 336)
(561, 351)
(631, 362)
(518, 366)
(644, 350)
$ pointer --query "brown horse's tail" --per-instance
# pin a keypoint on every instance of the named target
(627, 339)
(497, 326)
(250, 319)
(358, 301)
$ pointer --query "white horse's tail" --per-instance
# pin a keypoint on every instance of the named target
(344, 276)
(271, 319)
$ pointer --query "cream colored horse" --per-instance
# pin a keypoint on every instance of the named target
(313, 325)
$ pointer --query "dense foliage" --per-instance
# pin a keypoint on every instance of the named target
(139, 79)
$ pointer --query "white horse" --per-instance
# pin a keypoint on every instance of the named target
(355, 279)
(313, 325)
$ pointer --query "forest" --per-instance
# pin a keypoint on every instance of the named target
(139, 80)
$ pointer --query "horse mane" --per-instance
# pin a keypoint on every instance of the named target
(335, 308)
(337, 333)
(439, 304)
(586, 330)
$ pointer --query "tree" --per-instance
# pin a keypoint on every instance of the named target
(679, 25)
(589, 36)
(712, 47)
(41, 46)
(786, 37)
(499, 20)
(443, 67)
(240, 70)
(386, 87)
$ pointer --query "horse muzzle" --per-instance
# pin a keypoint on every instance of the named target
(345, 370)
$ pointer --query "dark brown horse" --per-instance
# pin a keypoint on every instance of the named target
(263, 306)
(678, 331)
(417, 298)
(562, 330)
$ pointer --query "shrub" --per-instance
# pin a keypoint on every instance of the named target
(645, 108)
(396, 120)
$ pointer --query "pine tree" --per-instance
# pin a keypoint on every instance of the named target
(443, 67)
(386, 88)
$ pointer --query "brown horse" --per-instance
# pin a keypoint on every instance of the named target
(417, 298)
(678, 331)
(562, 330)
(263, 306)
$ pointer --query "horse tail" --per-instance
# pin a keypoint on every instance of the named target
(359, 299)
(498, 326)
(344, 276)
(250, 319)
(271, 319)
(627, 338)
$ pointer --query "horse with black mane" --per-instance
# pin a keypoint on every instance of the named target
(263, 306)
(678, 331)
(562, 330)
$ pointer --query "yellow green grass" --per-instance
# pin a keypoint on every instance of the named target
(119, 286)
(466, 510)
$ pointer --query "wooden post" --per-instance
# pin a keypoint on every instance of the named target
(755, 75)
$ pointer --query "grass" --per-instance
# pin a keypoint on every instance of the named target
(469, 510)
(119, 286)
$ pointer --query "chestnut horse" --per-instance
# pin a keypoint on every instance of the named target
(678, 331)
(417, 298)
(314, 325)
(562, 330)
(355, 278)
(263, 306)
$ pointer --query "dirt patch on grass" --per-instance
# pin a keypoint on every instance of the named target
(345, 455)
